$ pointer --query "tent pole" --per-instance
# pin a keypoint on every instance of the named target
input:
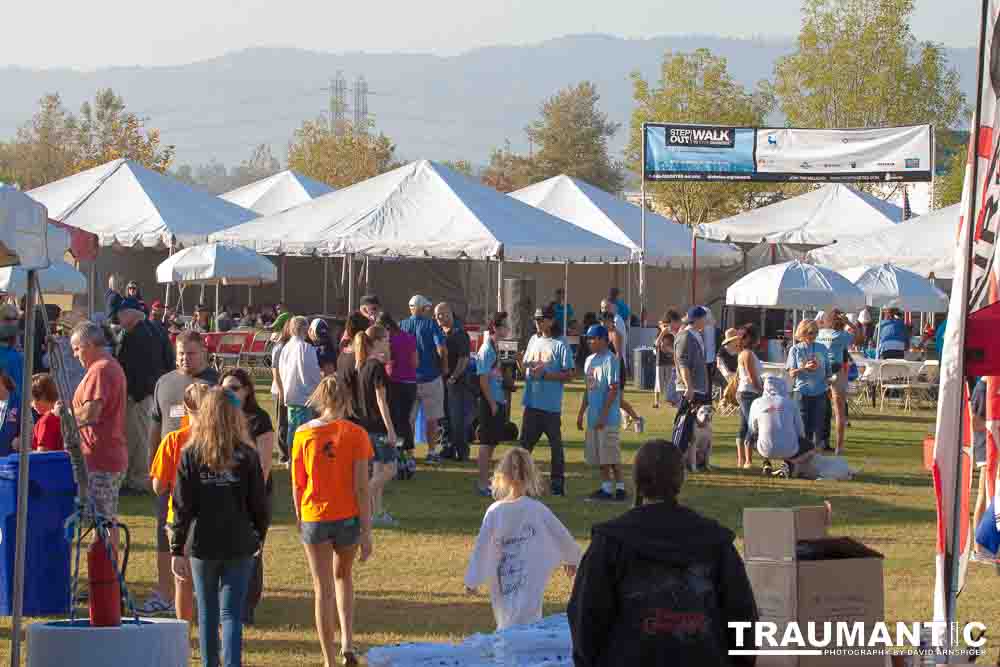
(500, 286)
(218, 283)
(694, 268)
(93, 288)
(250, 295)
(326, 283)
(166, 295)
(201, 297)
(565, 318)
(642, 226)
(284, 272)
(368, 274)
(350, 282)
(628, 282)
(20, 548)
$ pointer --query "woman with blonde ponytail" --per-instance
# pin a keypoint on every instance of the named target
(330, 458)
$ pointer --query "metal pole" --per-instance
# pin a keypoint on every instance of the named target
(930, 197)
(953, 559)
(217, 311)
(93, 288)
(166, 294)
(694, 268)
(284, 276)
(642, 225)
(565, 331)
(250, 295)
(326, 284)
(20, 547)
(350, 282)
(499, 286)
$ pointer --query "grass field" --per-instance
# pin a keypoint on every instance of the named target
(412, 589)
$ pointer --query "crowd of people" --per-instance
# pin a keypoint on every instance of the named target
(156, 418)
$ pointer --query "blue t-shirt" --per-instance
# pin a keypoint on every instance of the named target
(939, 338)
(602, 373)
(429, 337)
(810, 383)
(558, 308)
(623, 310)
(12, 363)
(836, 341)
(893, 335)
(545, 394)
(486, 364)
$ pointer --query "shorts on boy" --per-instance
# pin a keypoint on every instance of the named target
(103, 488)
(603, 447)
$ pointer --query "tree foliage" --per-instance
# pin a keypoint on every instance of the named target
(572, 136)
(859, 65)
(696, 88)
(340, 158)
(507, 171)
(948, 189)
(461, 166)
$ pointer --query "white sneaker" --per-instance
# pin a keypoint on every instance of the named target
(155, 605)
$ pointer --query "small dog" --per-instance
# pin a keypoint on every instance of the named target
(701, 439)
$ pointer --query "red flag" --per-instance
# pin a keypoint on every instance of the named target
(974, 289)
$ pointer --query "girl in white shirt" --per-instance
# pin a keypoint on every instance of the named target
(521, 541)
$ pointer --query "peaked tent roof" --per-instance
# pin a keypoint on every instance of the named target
(889, 286)
(280, 192)
(922, 245)
(795, 285)
(667, 242)
(126, 204)
(423, 209)
(820, 217)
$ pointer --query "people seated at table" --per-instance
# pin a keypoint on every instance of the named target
(202, 322)
(893, 335)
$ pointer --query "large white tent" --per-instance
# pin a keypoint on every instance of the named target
(128, 205)
(58, 278)
(921, 245)
(423, 210)
(795, 286)
(823, 216)
(889, 286)
(23, 230)
(217, 264)
(668, 243)
(280, 192)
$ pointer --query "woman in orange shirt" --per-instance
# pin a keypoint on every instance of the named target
(163, 473)
(330, 458)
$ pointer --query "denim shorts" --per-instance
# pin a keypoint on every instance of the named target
(342, 533)
(384, 451)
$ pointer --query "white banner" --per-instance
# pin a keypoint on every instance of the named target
(881, 154)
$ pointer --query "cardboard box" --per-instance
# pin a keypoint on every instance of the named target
(799, 574)
(772, 533)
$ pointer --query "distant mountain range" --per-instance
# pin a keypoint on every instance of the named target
(445, 108)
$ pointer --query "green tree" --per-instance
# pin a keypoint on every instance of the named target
(859, 65)
(261, 164)
(507, 171)
(948, 189)
(105, 131)
(44, 149)
(340, 158)
(696, 88)
(461, 166)
(572, 138)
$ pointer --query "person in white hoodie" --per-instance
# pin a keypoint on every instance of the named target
(776, 426)
(300, 374)
(520, 542)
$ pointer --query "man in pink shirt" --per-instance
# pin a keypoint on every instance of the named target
(99, 406)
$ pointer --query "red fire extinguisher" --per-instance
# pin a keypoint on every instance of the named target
(105, 592)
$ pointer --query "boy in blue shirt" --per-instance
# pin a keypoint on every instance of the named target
(602, 406)
(547, 364)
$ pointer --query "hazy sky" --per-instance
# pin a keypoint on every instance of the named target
(86, 35)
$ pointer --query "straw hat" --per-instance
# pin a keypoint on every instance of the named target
(732, 335)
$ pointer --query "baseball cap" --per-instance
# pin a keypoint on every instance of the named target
(419, 301)
(597, 331)
(156, 304)
(696, 313)
(544, 313)
(371, 300)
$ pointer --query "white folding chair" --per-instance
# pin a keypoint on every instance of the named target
(894, 376)
(923, 385)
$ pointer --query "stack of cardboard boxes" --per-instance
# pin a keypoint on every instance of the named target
(800, 574)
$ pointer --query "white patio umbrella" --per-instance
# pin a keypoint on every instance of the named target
(59, 278)
(217, 264)
(889, 286)
(795, 286)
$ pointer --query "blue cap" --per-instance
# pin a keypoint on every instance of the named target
(597, 331)
(696, 313)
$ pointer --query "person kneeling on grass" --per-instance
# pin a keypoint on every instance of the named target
(775, 424)
(163, 473)
(601, 404)
(520, 542)
(659, 585)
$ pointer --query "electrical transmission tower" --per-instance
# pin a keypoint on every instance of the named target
(338, 102)
(361, 104)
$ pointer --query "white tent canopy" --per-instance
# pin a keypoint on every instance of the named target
(126, 204)
(23, 229)
(423, 209)
(668, 243)
(217, 263)
(795, 285)
(280, 192)
(889, 286)
(817, 218)
(921, 245)
(59, 278)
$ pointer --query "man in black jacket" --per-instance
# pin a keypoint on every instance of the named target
(660, 584)
(141, 357)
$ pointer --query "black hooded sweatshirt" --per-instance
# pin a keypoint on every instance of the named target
(657, 587)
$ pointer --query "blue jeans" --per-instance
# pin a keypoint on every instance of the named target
(746, 400)
(220, 588)
(813, 409)
(459, 411)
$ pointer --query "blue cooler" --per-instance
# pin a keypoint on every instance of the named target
(51, 496)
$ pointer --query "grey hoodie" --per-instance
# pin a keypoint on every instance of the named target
(776, 420)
